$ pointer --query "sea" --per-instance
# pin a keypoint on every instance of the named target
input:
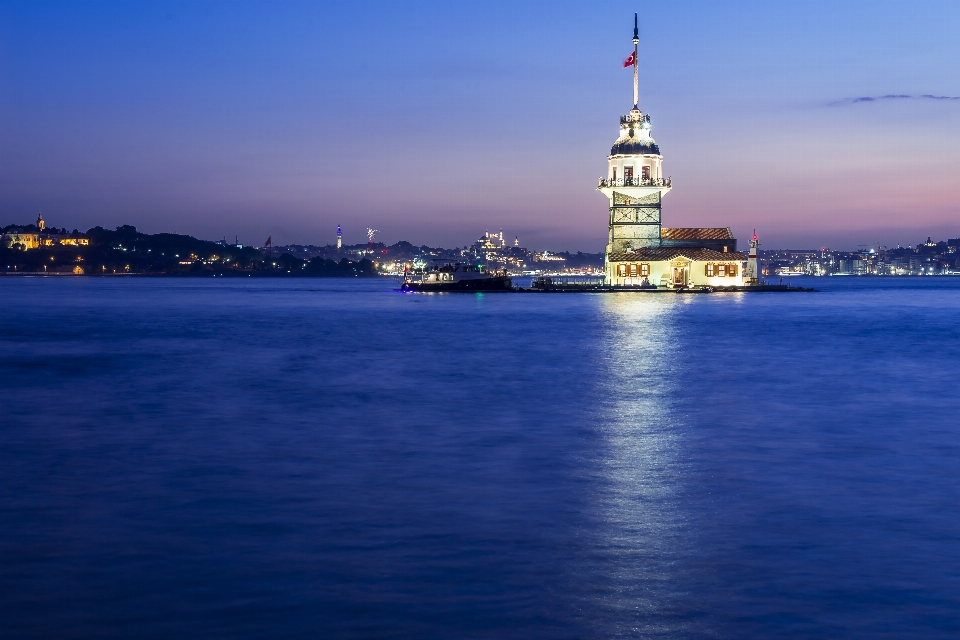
(331, 458)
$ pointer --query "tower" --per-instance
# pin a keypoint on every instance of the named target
(40, 223)
(339, 238)
(752, 276)
(634, 184)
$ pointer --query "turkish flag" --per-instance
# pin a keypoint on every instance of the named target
(269, 242)
(631, 60)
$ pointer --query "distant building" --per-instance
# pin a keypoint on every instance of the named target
(36, 239)
(25, 239)
(639, 250)
(51, 240)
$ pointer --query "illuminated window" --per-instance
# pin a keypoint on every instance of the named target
(614, 173)
(633, 271)
(644, 269)
(721, 270)
(732, 270)
(645, 172)
(627, 174)
(622, 270)
(709, 270)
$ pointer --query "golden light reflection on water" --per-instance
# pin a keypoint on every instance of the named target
(639, 465)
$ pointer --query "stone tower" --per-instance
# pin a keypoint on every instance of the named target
(634, 184)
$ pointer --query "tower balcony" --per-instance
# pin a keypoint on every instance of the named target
(634, 182)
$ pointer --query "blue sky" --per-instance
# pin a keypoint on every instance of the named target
(433, 122)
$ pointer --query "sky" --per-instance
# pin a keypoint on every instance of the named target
(816, 123)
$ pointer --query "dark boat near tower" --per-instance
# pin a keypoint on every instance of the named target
(449, 275)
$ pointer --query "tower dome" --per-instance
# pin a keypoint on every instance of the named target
(635, 136)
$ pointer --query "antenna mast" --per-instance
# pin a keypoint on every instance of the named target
(636, 63)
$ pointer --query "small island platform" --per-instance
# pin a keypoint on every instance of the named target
(763, 288)
(594, 284)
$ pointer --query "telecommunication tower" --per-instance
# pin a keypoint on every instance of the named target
(370, 233)
(339, 238)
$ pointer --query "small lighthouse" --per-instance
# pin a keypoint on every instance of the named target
(752, 276)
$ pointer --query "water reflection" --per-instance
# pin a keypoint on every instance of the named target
(640, 471)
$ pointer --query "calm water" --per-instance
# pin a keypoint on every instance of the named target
(329, 458)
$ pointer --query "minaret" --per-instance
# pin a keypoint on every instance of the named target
(634, 184)
(339, 238)
(40, 223)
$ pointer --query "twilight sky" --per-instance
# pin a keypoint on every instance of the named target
(817, 123)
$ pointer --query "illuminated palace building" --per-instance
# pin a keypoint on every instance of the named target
(639, 250)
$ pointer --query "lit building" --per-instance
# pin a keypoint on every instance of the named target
(34, 240)
(25, 239)
(640, 251)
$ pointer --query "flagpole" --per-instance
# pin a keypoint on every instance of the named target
(636, 63)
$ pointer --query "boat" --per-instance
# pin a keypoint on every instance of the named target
(788, 272)
(450, 275)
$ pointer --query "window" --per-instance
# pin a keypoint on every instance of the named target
(721, 270)
(622, 270)
(633, 271)
(709, 270)
(627, 175)
(614, 174)
(732, 270)
(644, 269)
(645, 172)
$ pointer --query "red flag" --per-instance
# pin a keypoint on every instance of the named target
(269, 242)
(631, 60)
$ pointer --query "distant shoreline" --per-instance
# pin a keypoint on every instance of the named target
(225, 274)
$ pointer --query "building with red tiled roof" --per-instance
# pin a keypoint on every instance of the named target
(716, 238)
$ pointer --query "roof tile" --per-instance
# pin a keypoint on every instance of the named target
(659, 254)
(696, 233)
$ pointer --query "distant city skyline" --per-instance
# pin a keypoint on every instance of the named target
(817, 123)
